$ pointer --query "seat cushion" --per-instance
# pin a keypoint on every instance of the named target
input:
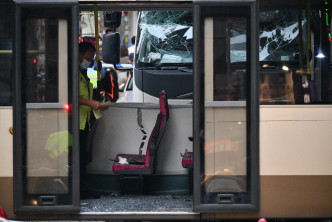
(117, 166)
(135, 162)
(131, 158)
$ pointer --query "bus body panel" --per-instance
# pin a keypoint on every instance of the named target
(293, 140)
(295, 169)
(6, 162)
(295, 174)
(6, 151)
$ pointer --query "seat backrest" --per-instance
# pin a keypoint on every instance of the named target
(157, 132)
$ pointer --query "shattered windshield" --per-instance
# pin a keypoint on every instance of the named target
(164, 38)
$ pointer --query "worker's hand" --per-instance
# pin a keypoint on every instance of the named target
(95, 104)
(103, 107)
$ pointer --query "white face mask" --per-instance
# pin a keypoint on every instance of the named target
(85, 64)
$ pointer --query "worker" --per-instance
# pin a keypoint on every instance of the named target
(131, 49)
(86, 54)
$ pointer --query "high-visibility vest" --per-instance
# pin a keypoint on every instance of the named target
(86, 91)
(58, 143)
(92, 74)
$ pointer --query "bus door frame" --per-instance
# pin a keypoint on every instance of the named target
(252, 117)
(20, 133)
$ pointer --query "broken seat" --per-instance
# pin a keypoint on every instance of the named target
(135, 164)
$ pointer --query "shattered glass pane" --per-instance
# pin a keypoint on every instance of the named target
(164, 37)
(279, 35)
(291, 46)
(238, 40)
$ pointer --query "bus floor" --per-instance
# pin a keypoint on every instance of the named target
(115, 202)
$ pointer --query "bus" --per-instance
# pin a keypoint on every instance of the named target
(253, 95)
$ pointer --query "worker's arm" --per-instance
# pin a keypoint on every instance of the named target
(93, 104)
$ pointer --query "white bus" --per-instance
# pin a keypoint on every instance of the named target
(260, 115)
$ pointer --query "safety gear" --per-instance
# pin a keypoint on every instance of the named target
(85, 64)
(58, 143)
(110, 85)
(86, 92)
(92, 74)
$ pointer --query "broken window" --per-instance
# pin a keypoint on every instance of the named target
(279, 35)
(294, 50)
(164, 37)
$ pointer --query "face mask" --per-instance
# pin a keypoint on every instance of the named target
(85, 64)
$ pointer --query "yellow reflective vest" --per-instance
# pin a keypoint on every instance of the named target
(92, 74)
(58, 143)
(86, 91)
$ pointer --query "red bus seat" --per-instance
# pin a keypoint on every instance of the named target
(145, 164)
(187, 159)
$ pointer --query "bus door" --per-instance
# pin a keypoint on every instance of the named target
(46, 175)
(226, 177)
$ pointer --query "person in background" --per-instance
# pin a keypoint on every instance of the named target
(124, 54)
(122, 75)
(131, 58)
(131, 49)
(86, 55)
(131, 61)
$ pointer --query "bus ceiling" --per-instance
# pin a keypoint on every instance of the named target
(286, 4)
(136, 5)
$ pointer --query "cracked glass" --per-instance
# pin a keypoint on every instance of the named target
(294, 51)
(164, 38)
(278, 35)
